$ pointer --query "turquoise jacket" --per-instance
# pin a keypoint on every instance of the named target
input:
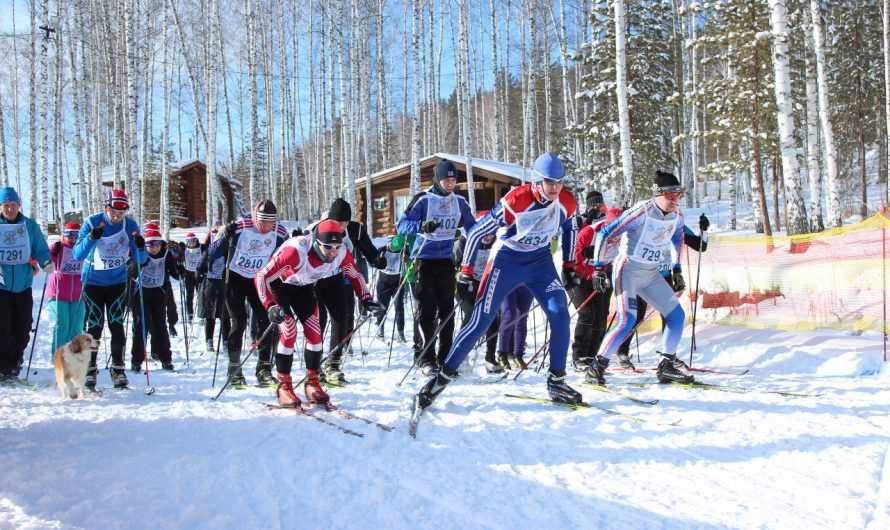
(17, 278)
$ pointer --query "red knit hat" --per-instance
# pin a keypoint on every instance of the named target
(71, 229)
(328, 231)
(153, 235)
(191, 235)
(151, 226)
(117, 199)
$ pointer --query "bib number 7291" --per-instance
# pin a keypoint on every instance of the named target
(652, 255)
(11, 255)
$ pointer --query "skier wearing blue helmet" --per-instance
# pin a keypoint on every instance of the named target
(525, 220)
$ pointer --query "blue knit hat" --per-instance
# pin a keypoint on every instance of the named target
(9, 194)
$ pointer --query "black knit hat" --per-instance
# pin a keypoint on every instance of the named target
(445, 169)
(665, 182)
(340, 210)
(328, 231)
(265, 210)
(593, 199)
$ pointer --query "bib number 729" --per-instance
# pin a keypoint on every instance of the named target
(651, 255)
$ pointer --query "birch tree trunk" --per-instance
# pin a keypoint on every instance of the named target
(214, 195)
(382, 114)
(497, 149)
(4, 168)
(465, 97)
(814, 164)
(77, 88)
(415, 126)
(164, 207)
(42, 188)
(15, 106)
(621, 93)
(256, 189)
(134, 180)
(794, 205)
(830, 166)
(886, 27)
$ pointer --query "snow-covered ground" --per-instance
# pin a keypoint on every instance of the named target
(177, 459)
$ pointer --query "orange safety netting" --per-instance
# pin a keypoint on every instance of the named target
(828, 280)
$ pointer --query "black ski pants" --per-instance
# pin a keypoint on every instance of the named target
(435, 296)
(15, 329)
(592, 317)
(241, 289)
(336, 300)
(155, 326)
(100, 300)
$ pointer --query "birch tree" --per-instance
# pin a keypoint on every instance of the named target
(415, 126)
(627, 193)
(830, 165)
(465, 97)
(794, 205)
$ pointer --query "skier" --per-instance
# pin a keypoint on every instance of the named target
(20, 241)
(697, 243)
(593, 309)
(434, 216)
(388, 282)
(650, 234)
(191, 258)
(526, 219)
(105, 241)
(335, 294)
(252, 241)
(150, 300)
(213, 300)
(468, 286)
(64, 288)
(285, 287)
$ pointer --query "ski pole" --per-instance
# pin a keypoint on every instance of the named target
(428, 344)
(695, 300)
(392, 331)
(254, 348)
(149, 391)
(546, 342)
(407, 272)
(37, 326)
(186, 326)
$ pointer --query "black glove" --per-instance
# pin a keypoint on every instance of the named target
(587, 252)
(139, 241)
(375, 308)
(601, 282)
(429, 226)
(229, 231)
(677, 281)
(276, 314)
(96, 233)
(703, 223)
(466, 287)
(570, 280)
(56, 250)
(380, 261)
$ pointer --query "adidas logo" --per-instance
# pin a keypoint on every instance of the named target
(555, 285)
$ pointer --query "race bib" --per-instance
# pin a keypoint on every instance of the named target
(193, 258)
(111, 251)
(68, 265)
(654, 245)
(446, 212)
(534, 229)
(15, 245)
(253, 252)
(153, 273)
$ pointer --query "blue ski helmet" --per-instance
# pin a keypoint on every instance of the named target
(548, 166)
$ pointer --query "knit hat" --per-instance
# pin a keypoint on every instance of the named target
(9, 194)
(327, 231)
(71, 229)
(340, 210)
(593, 199)
(445, 169)
(665, 182)
(117, 199)
(150, 226)
(265, 210)
(153, 235)
(191, 235)
(548, 166)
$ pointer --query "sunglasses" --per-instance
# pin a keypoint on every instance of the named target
(330, 246)
(550, 182)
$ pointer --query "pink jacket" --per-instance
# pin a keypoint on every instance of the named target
(64, 284)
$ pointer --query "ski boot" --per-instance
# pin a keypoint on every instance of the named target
(434, 387)
(209, 347)
(286, 396)
(518, 362)
(625, 362)
(90, 381)
(558, 389)
(167, 365)
(136, 366)
(678, 363)
(583, 364)
(504, 360)
(401, 338)
(491, 365)
(119, 377)
(314, 392)
(596, 374)
(429, 368)
(668, 373)
(264, 375)
(236, 377)
(173, 331)
(332, 373)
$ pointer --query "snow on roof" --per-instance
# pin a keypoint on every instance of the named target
(502, 168)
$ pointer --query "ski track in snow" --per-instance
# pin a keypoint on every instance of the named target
(177, 459)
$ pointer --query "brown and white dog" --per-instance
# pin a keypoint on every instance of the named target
(71, 362)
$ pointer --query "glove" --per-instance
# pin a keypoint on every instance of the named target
(466, 286)
(229, 231)
(49, 268)
(56, 250)
(570, 280)
(276, 314)
(429, 226)
(380, 261)
(139, 241)
(375, 308)
(600, 280)
(703, 223)
(677, 281)
(587, 252)
(96, 233)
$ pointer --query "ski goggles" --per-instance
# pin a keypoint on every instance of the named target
(153, 243)
(670, 192)
(330, 246)
(551, 182)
